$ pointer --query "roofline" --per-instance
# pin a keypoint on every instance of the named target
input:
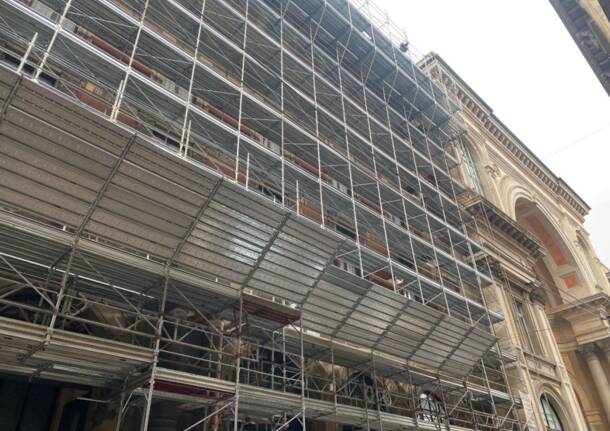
(432, 56)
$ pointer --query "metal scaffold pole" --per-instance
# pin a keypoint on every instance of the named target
(240, 328)
(349, 164)
(58, 27)
(140, 261)
(184, 137)
(155, 361)
(241, 91)
(317, 129)
(124, 82)
(303, 378)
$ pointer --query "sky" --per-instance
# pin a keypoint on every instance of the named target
(518, 56)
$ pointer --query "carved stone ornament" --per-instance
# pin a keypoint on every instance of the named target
(493, 171)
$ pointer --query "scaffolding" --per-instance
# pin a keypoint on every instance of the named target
(243, 210)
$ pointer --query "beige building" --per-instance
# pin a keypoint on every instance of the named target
(551, 286)
(588, 21)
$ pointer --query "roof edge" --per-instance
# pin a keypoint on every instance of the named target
(556, 184)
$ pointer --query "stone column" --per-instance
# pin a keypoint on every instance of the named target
(600, 379)
(605, 348)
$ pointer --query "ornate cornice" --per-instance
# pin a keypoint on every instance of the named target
(588, 24)
(599, 301)
(591, 350)
(486, 118)
(480, 207)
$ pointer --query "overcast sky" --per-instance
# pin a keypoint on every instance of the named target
(521, 60)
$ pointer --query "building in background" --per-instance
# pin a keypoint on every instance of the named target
(588, 21)
(234, 215)
(551, 286)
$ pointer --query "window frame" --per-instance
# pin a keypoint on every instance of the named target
(550, 412)
(530, 342)
(471, 167)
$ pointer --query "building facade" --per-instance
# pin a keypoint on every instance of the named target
(588, 22)
(234, 215)
(252, 215)
(552, 288)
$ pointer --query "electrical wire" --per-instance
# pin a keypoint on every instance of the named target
(582, 138)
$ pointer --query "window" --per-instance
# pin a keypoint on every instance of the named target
(526, 329)
(471, 167)
(551, 418)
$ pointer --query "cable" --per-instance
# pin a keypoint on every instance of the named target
(582, 138)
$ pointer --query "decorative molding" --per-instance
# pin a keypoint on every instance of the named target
(483, 113)
(494, 171)
(594, 350)
(588, 24)
(536, 293)
(589, 351)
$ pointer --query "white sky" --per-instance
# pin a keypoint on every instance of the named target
(521, 60)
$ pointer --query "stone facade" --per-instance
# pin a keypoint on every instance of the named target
(588, 21)
(551, 286)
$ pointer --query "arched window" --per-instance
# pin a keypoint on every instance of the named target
(527, 328)
(551, 418)
(471, 167)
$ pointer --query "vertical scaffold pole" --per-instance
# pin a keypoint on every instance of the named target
(444, 407)
(349, 163)
(317, 128)
(56, 32)
(121, 89)
(418, 177)
(247, 169)
(332, 363)
(282, 116)
(399, 175)
(241, 91)
(153, 370)
(377, 181)
(189, 96)
(61, 293)
(24, 59)
(301, 342)
(377, 398)
(238, 362)
(123, 403)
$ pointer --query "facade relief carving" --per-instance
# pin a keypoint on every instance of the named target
(494, 171)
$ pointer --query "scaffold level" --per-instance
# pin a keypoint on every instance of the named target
(242, 209)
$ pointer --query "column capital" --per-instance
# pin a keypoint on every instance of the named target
(593, 349)
(604, 346)
(589, 351)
